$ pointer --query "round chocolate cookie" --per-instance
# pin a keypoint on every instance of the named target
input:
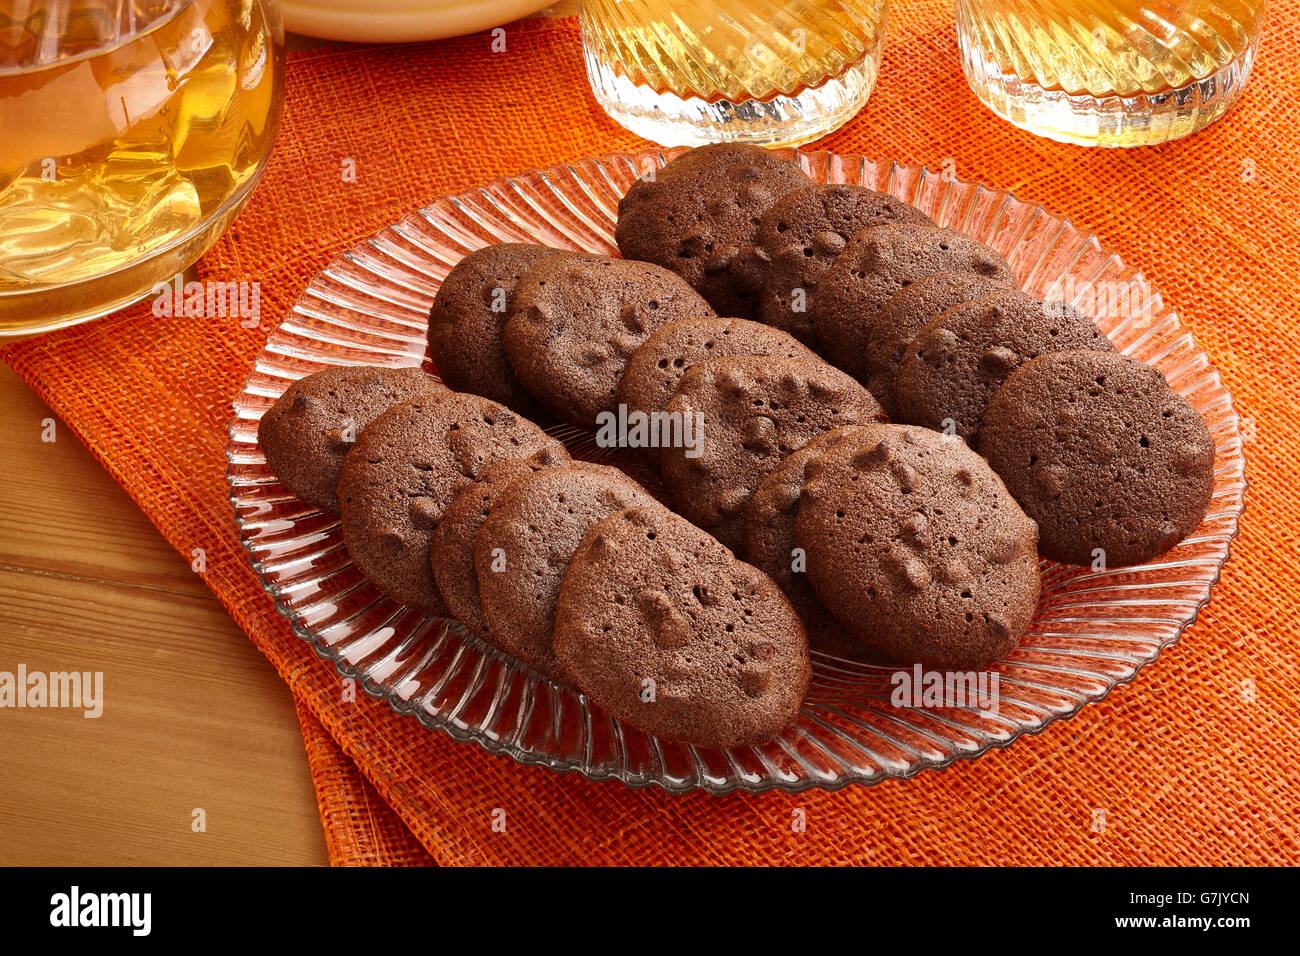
(656, 368)
(662, 627)
(699, 217)
(914, 544)
(406, 468)
(451, 553)
(468, 316)
(310, 428)
(906, 312)
(875, 264)
(961, 357)
(770, 547)
(749, 413)
(576, 322)
(524, 547)
(1110, 461)
(801, 235)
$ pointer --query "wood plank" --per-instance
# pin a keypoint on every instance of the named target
(194, 716)
(63, 515)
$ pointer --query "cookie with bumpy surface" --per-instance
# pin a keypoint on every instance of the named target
(751, 412)
(311, 427)
(657, 367)
(876, 264)
(469, 315)
(914, 544)
(769, 546)
(406, 468)
(907, 312)
(662, 627)
(959, 359)
(801, 235)
(451, 554)
(524, 547)
(575, 322)
(1113, 464)
(699, 216)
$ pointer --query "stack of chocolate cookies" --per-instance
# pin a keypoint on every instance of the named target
(454, 504)
(760, 333)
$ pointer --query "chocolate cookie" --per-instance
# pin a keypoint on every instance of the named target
(770, 547)
(699, 217)
(468, 316)
(961, 357)
(406, 468)
(309, 429)
(874, 265)
(451, 552)
(1103, 454)
(914, 544)
(756, 411)
(663, 628)
(576, 322)
(907, 310)
(656, 368)
(524, 547)
(801, 235)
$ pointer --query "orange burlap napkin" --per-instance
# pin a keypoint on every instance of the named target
(1194, 763)
(360, 828)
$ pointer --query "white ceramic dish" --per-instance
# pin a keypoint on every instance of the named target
(400, 21)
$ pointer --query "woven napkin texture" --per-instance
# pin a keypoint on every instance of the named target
(1187, 766)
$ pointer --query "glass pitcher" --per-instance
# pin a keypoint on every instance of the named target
(131, 134)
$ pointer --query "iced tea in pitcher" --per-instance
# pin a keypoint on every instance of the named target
(131, 132)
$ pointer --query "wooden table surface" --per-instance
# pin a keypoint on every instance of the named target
(193, 716)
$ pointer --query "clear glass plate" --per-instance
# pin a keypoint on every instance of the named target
(1092, 630)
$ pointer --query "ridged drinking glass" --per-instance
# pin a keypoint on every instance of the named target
(1109, 72)
(752, 71)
